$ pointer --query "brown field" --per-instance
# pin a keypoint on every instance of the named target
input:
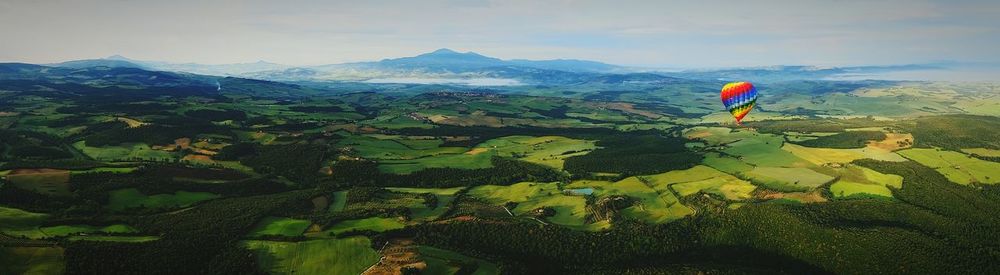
(132, 123)
(41, 180)
(204, 151)
(629, 108)
(350, 127)
(320, 203)
(396, 255)
(892, 142)
(700, 134)
(181, 143)
(805, 197)
(476, 151)
(198, 158)
(471, 120)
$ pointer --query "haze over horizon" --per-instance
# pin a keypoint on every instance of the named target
(636, 33)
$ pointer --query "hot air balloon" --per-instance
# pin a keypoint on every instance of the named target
(739, 98)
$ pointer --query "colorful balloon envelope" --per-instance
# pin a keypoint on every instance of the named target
(739, 98)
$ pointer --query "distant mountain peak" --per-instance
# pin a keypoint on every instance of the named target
(118, 57)
(443, 50)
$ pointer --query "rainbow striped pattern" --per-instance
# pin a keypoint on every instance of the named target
(739, 98)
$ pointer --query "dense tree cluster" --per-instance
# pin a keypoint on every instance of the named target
(844, 140)
(299, 162)
(30, 146)
(156, 134)
(204, 240)
(629, 155)
(935, 227)
(956, 132)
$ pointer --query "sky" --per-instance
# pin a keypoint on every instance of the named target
(667, 34)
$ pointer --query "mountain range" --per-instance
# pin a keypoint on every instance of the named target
(445, 65)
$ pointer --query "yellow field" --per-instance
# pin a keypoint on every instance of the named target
(132, 123)
(820, 156)
(893, 142)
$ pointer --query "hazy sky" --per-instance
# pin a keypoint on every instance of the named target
(641, 33)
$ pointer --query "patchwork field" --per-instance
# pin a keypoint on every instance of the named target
(701, 179)
(546, 150)
(570, 210)
(423, 213)
(653, 206)
(387, 148)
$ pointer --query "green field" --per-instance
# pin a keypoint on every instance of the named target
(421, 212)
(66, 230)
(325, 256)
(276, 226)
(547, 150)
(982, 152)
(131, 198)
(652, 206)
(401, 156)
(31, 260)
(749, 146)
(16, 222)
(383, 148)
(701, 178)
(122, 239)
(442, 262)
(570, 210)
(726, 164)
(788, 179)
(339, 201)
(957, 167)
(843, 189)
(462, 161)
(123, 152)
